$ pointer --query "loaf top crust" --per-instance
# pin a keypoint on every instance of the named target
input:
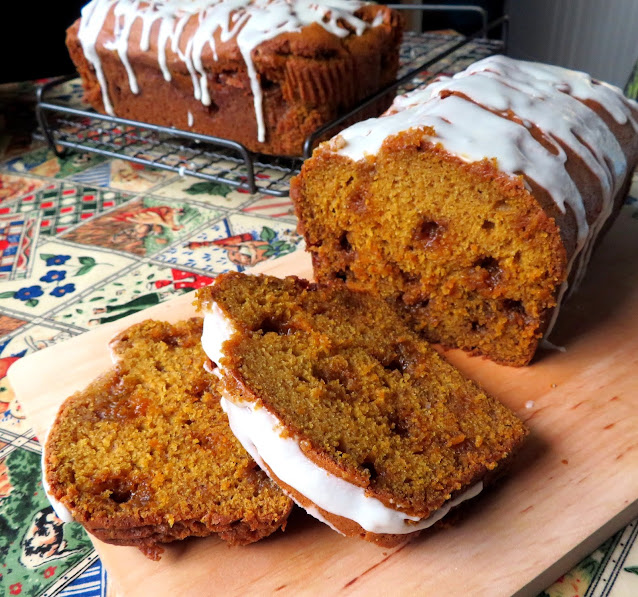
(202, 35)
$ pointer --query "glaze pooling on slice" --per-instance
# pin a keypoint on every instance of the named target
(260, 433)
(249, 22)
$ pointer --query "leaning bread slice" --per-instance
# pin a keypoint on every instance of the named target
(144, 455)
(347, 409)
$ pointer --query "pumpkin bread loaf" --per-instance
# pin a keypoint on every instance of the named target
(144, 455)
(475, 203)
(265, 73)
(347, 409)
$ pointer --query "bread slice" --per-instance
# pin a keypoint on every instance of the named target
(347, 409)
(144, 455)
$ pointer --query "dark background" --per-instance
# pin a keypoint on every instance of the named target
(463, 22)
(32, 40)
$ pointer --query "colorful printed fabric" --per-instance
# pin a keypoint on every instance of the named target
(86, 240)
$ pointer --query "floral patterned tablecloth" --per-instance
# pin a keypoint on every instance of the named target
(86, 240)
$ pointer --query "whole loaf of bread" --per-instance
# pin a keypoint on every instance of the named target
(475, 202)
(265, 73)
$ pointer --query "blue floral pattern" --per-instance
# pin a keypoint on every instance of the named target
(28, 293)
(62, 290)
(56, 259)
(55, 275)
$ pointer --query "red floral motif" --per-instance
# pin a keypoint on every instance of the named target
(183, 279)
(49, 572)
(5, 482)
(5, 363)
(16, 589)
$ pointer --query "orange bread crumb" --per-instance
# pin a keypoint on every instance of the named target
(144, 456)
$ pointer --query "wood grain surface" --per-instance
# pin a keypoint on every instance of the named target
(575, 483)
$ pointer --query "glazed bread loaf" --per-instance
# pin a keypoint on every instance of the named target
(144, 455)
(474, 203)
(265, 73)
(348, 410)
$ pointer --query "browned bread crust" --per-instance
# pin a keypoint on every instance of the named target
(144, 456)
(308, 79)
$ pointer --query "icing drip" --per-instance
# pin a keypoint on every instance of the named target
(125, 16)
(476, 126)
(250, 22)
(93, 16)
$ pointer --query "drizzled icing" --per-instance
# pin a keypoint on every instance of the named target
(249, 22)
(476, 126)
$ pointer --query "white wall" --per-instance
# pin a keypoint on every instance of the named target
(596, 36)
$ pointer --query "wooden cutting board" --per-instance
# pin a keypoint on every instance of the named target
(575, 484)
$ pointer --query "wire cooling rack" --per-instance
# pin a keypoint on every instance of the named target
(67, 124)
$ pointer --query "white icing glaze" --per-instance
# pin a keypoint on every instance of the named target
(250, 22)
(547, 345)
(216, 330)
(260, 432)
(93, 16)
(474, 127)
(575, 83)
